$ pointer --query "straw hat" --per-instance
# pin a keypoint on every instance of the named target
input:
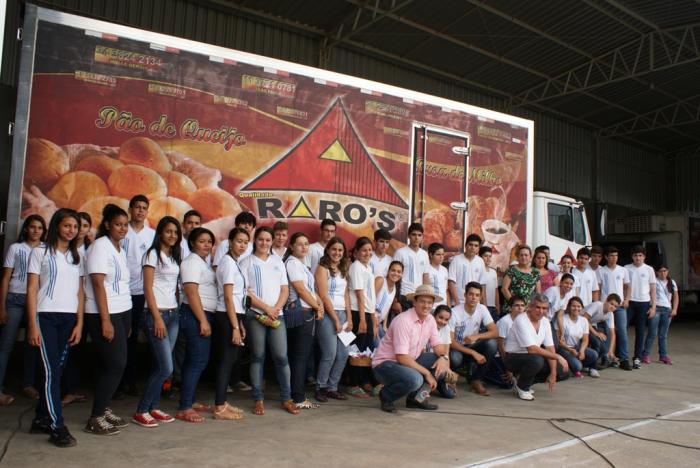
(423, 290)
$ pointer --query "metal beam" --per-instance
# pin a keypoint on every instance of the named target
(679, 113)
(340, 32)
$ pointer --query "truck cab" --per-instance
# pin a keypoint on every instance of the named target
(560, 223)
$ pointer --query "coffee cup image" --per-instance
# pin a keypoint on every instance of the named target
(494, 230)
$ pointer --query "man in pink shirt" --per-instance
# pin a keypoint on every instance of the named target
(401, 363)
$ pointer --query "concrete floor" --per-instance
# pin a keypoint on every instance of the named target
(467, 431)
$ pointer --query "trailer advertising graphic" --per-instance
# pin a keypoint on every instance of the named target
(111, 117)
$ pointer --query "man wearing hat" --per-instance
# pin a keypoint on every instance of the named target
(401, 363)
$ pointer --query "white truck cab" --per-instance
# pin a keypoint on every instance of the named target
(560, 223)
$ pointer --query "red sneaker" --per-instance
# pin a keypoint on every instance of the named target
(161, 416)
(144, 420)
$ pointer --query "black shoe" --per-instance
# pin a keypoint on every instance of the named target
(40, 427)
(61, 438)
(424, 405)
(321, 395)
(386, 405)
(625, 365)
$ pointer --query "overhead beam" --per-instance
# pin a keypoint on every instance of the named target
(342, 31)
(673, 115)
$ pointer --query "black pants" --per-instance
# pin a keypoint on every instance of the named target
(299, 342)
(138, 304)
(111, 357)
(531, 368)
(361, 375)
(225, 352)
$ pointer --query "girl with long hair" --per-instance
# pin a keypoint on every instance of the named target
(573, 340)
(666, 309)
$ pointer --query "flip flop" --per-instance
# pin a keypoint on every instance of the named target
(357, 392)
(190, 416)
(259, 408)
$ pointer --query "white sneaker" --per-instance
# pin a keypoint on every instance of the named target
(593, 373)
(522, 394)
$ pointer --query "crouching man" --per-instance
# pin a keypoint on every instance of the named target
(530, 352)
(401, 363)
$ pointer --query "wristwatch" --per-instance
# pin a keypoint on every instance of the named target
(444, 356)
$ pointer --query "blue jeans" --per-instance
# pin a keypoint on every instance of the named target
(55, 330)
(621, 348)
(334, 354)
(658, 326)
(276, 339)
(494, 313)
(162, 357)
(637, 316)
(599, 346)
(196, 355)
(15, 308)
(400, 380)
(487, 348)
(575, 365)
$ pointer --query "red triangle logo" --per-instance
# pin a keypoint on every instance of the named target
(330, 158)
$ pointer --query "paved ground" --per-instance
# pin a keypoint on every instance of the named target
(468, 431)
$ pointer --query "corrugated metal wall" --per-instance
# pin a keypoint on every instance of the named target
(564, 152)
(686, 184)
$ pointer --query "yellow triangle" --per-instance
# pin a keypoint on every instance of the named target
(301, 210)
(336, 152)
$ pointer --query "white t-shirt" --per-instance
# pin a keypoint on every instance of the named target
(574, 331)
(464, 324)
(491, 287)
(444, 333)
(265, 278)
(462, 271)
(135, 245)
(587, 283)
(222, 250)
(438, 281)
(384, 300)
(165, 277)
(641, 278)
(336, 290)
(297, 271)
(414, 265)
(230, 272)
(504, 325)
(184, 248)
(59, 280)
(556, 302)
(594, 310)
(314, 256)
(194, 269)
(103, 258)
(663, 297)
(17, 258)
(612, 280)
(523, 334)
(361, 277)
(380, 266)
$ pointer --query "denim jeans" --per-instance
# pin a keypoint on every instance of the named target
(575, 364)
(494, 313)
(261, 336)
(56, 329)
(637, 316)
(138, 311)
(162, 357)
(621, 348)
(530, 368)
(599, 346)
(334, 354)
(487, 348)
(400, 380)
(658, 325)
(15, 308)
(196, 354)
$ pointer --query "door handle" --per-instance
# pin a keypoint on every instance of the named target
(461, 150)
(462, 206)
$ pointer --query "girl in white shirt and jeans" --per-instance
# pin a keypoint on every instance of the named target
(666, 309)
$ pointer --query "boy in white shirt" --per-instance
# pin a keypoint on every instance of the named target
(600, 316)
(517, 306)
(615, 279)
(468, 344)
(191, 220)
(138, 239)
(642, 299)
(466, 268)
(415, 261)
(380, 260)
(493, 300)
(589, 290)
(328, 229)
(244, 220)
(596, 260)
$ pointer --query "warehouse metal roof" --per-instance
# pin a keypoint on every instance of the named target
(629, 69)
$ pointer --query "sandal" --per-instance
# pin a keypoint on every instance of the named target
(259, 408)
(306, 404)
(357, 392)
(290, 407)
(31, 393)
(73, 398)
(189, 415)
(6, 400)
(234, 409)
(226, 413)
(201, 407)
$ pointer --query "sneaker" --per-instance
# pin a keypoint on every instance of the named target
(666, 360)
(229, 389)
(161, 416)
(99, 425)
(593, 373)
(636, 363)
(40, 426)
(61, 437)
(625, 365)
(387, 405)
(242, 386)
(144, 420)
(578, 375)
(646, 360)
(115, 420)
(523, 394)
